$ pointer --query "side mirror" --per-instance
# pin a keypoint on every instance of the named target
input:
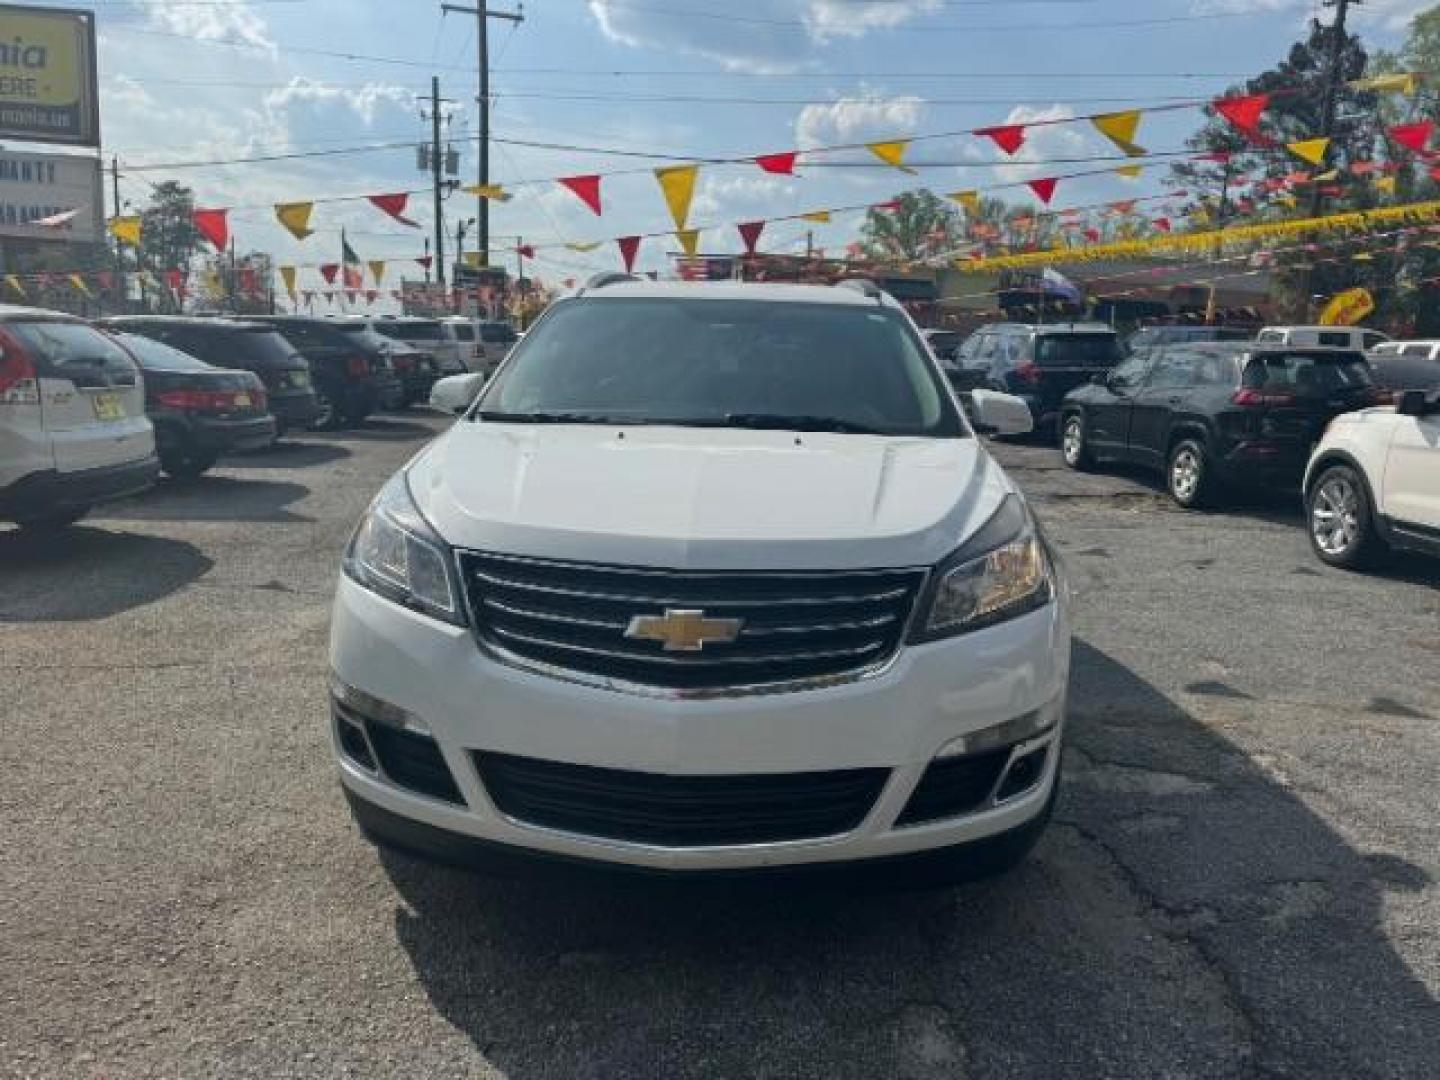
(455, 393)
(1417, 403)
(1000, 414)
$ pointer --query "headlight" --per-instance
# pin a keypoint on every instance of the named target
(395, 553)
(1003, 571)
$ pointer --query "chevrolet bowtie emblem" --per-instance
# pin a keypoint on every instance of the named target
(683, 630)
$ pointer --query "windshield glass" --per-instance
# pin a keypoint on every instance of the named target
(415, 331)
(1315, 375)
(718, 362)
(56, 346)
(363, 334)
(1077, 350)
(157, 356)
(497, 333)
(463, 331)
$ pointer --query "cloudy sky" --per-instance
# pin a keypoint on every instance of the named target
(201, 81)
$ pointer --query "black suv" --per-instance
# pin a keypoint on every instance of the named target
(1037, 363)
(1215, 413)
(242, 344)
(349, 362)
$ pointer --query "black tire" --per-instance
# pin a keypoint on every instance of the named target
(1075, 444)
(1339, 519)
(53, 520)
(1189, 474)
(330, 418)
(187, 464)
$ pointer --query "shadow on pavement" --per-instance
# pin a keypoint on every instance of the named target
(288, 454)
(86, 573)
(211, 497)
(1186, 915)
(383, 429)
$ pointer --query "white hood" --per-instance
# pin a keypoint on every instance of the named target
(703, 497)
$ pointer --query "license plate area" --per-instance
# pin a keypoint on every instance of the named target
(108, 407)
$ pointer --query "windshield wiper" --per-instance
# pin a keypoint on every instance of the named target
(783, 422)
(551, 418)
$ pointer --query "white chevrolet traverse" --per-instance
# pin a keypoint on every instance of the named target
(708, 578)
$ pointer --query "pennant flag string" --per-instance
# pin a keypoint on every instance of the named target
(586, 189)
(677, 183)
(393, 205)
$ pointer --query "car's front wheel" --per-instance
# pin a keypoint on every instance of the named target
(1341, 525)
(1074, 444)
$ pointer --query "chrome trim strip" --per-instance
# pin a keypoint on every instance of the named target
(675, 661)
(749, 631)
(660, 601)
(661, 572)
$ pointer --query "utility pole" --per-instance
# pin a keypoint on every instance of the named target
(435, 178)
(119, 261)
(483, 15)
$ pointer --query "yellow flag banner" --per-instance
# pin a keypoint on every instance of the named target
(1311, 150)
(1130, 172)
(1120, 129)
(295, 216)
(689, 240)
(970, 200)
(493, 192)
(590, 245)
(126, 229)
(1325, 177)
(1385, 184)
(1405, 82)
(287, 275)
(377, 269)
(1206, 242)
(677, 183)
(892, 153)
(79, 283)
(1347, 308)
(14, 283)
(819, 217)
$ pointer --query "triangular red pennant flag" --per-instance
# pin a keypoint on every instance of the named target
(248, 283)
(1093, 235)
(628, 245)
(1244, 113)
(887, 207)
(212, 225)
(1043, 188)
(780, 164)
(525, 251)
(423, 260)
(394, 205)
(1219, 157)
(1163, 224)
(350, 296)
(1413, 136)
(587, 188)
(371, 295)
(328, 272)
(105, 279)
(1009, 137)
(174, 278)
(750, 233)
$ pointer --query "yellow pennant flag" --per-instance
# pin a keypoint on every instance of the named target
(126, 229)
(295, 217)
(1405, 82)
(589, 245)
(1287, 200)
(1130, 172)
(892, 153)
(377, 269)
(1325, 177)
(1311, 150)
(287, 275)
(14, 282)
(970, 200)
(1120, 128)
(819, 217)
(79, 283)
(1385, 184)
(677, 182)
(493, 192)
(689, 240)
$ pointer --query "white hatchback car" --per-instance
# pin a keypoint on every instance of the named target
(1374, 482)
(73, 431)
(711, 577)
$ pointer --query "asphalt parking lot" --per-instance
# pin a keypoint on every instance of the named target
(1241, 880)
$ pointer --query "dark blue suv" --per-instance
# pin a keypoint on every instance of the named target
(1039, 364)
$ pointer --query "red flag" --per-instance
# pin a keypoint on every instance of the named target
(1124, 206)
(1044, 188)
(105, 279)
(887, 207)
(1244, 113)
(750, 233)
(175, 279)
(370, 295)
(1163, 224)
(780, 164)
(1219, 157)
(629, 246)
(1413, 136)
(212, 225)
(587, 188)
(328, 272)
(1009, 137)
(1093, 235)
(394, 205)
(569, 283)
(423, 260)
(525, 251)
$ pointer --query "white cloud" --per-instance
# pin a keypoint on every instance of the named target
(1391, 15)
(867, 117)
(364, 101)
(236, 22)
(1043, 143)
(845, 18)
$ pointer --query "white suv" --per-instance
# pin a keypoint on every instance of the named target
(73, 431)
(710, 577)
(1374, 481)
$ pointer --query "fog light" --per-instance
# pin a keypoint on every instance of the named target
(1025, 772)
(371, 707)
(1023, 727)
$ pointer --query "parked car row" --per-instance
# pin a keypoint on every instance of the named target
(91, 412)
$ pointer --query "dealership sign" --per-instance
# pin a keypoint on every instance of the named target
(49, 197)
(47, 76)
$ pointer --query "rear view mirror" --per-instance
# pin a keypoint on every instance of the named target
(456, 393)
(1417, 403)
(1000, 414)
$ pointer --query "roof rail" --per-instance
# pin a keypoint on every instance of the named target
(605, 278)
(864, 286)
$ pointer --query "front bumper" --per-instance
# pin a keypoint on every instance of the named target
(44, 492)
(896, 720)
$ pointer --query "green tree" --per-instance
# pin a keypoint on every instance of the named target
(169, 239)
(922, 224)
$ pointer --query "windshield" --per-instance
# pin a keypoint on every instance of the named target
(724, 362)
(463, 331)
(415, 331)
(56, 346)
(157, 356)
(1308, 375)
(366, 336)
(1077, 350)
(497, 333)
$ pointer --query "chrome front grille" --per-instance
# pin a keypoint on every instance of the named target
(794, 626)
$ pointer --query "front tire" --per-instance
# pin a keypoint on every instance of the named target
(1189, 474)
(1339, 519)
(1075, 444)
